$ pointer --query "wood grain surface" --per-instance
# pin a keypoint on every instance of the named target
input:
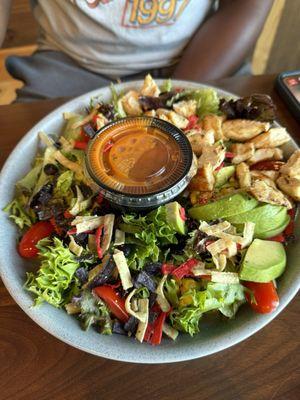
(36, 366)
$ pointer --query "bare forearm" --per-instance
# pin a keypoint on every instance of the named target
(224, 40)
(4, 16)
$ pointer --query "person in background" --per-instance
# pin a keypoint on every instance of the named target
(85, 44)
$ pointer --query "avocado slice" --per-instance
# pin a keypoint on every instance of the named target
(225, 207)
(276, 231)
(264, 261)
(174, 217)
(223, 175)
(266, 217)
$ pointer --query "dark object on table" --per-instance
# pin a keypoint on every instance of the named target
(287, 85)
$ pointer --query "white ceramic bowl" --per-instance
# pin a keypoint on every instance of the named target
(214, 337)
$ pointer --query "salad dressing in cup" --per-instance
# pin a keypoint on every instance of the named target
(140, 162)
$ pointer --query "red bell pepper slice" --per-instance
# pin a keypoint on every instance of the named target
(185, 268)
(289, 230)
(229, 154)
(68, 215)
(279, 238)
(148, 333)
(99, 198)
(157, 329)
(166, 269)
(220, 167)
(267, 165)
(57, 229)
(193, 123)
(292, 213)
(73, 231)
(153, 332)
(114, 302)
(99, 232)
(182, 214)
(193, 120)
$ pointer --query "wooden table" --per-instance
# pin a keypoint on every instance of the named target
(35, 365)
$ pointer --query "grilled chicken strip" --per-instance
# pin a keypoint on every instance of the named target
(243, 175)
(273, 138)
(268, 194)
(242, 130)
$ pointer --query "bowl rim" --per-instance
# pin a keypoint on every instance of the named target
(169, 354)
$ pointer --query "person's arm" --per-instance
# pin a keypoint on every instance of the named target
(223, 42)
(5, 6)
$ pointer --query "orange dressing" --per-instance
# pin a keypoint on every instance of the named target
(135, 158)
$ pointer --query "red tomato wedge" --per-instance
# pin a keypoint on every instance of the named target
(35, 233)
(265, 295)
(80, 145)
(114, 302)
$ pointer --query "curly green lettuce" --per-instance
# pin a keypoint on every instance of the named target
(54, 282)
(148, 235)
(171, 291)
(17, 213)
(226, 298)
(207, 101)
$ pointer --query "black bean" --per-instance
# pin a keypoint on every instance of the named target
(152, 316)
(97, 211)
(131, 325)
(126, 248)
(85, 190)
(43, 196)
(118, 328)
(81, 239)
(57, 145)
(153, 268)
(152, 299)
(50, 169)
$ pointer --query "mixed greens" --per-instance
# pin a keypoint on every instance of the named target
(220, 244)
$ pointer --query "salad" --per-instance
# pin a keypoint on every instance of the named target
(219, 245)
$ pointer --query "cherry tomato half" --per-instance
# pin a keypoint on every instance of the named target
(35, 233)
(113, 301)
(265, 296)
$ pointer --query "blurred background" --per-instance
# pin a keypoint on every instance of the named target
(277, 49)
